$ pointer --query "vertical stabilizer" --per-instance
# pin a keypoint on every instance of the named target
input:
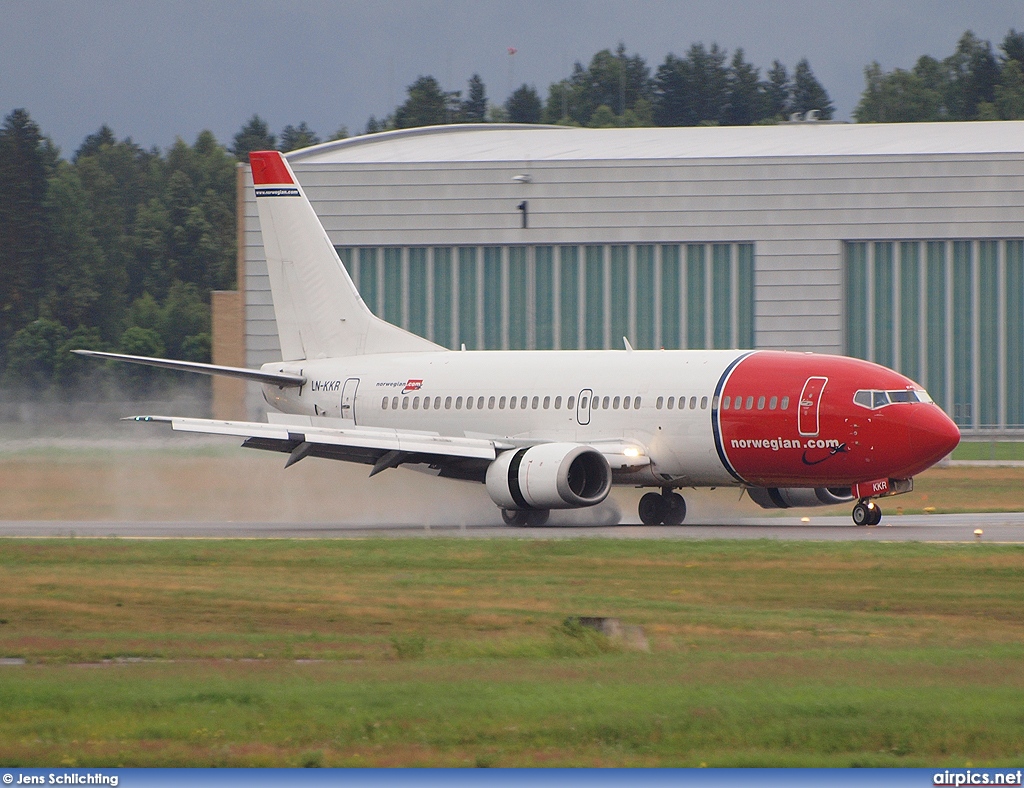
(318, 309)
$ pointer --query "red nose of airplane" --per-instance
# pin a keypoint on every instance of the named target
(932, 434)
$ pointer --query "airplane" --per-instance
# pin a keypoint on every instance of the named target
(556, 429)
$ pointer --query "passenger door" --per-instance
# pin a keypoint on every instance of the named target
(809, 405)
(348, 400)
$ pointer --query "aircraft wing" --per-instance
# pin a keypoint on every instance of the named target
(303, 436)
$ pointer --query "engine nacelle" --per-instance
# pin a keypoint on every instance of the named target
(787, 497)
(549, 476)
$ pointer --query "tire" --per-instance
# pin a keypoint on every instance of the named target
(516, 517)
(876, 518)
(676, 509)
(862, 514)
(525, 517)
(652, 509)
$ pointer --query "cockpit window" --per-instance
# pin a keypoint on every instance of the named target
(874, 399)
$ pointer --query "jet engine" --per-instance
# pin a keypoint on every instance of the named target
(549, 476)
(787, 497)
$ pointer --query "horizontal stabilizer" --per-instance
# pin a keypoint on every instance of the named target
(274, 378)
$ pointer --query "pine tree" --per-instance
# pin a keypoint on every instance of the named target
(427, 105)
(745, 100)
(26, 160)
(523, 106)
(778, 92)
(295, 137)
(255, 135)
(809, 94)
(474, 108)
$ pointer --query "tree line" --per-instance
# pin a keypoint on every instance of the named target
(973, 83)
(706, 86)
(118, 247)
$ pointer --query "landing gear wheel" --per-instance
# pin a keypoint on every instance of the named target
(525, 517)
(676, 509)
(867, 514)
(668, 508)
(652, 509)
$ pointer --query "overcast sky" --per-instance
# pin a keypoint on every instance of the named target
(158, 70)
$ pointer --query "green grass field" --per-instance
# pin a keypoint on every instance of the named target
(454, 652)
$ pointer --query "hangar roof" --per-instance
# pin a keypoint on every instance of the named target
(512, 142)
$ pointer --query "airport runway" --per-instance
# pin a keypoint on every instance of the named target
(997, 528)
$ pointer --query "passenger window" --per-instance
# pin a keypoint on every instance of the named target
(615, 403)
(572, 403)
(625, 402)
(558, 403)
(784, 405)
(725, 403)
(447, 403)
(714, 402)
(490, 403)
(760, 403)
(394, 403)
(536, 403)
(547, 403)
(671, 402)
(773, 403)
(703, 403)
(693, 403)
(458, 402)
(501, 403)
(604, 404)
(384, 403)
(415, 403)
(750, 403)
(636, 403)
(512, 403)
(583, 402)
(659, 402)
(480, 403)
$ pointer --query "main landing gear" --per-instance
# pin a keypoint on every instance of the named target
(666, 508)
(525, 517)
(867, 513)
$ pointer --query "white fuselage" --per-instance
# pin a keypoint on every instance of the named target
(574, 396)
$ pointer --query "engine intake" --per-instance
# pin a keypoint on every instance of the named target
(549, 476)
(787, 497)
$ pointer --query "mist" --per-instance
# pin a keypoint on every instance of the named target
(78, 461)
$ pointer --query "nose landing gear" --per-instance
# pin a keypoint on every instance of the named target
(666, 508)
(867, 513)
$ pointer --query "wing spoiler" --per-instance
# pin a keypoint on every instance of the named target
(282, 379)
